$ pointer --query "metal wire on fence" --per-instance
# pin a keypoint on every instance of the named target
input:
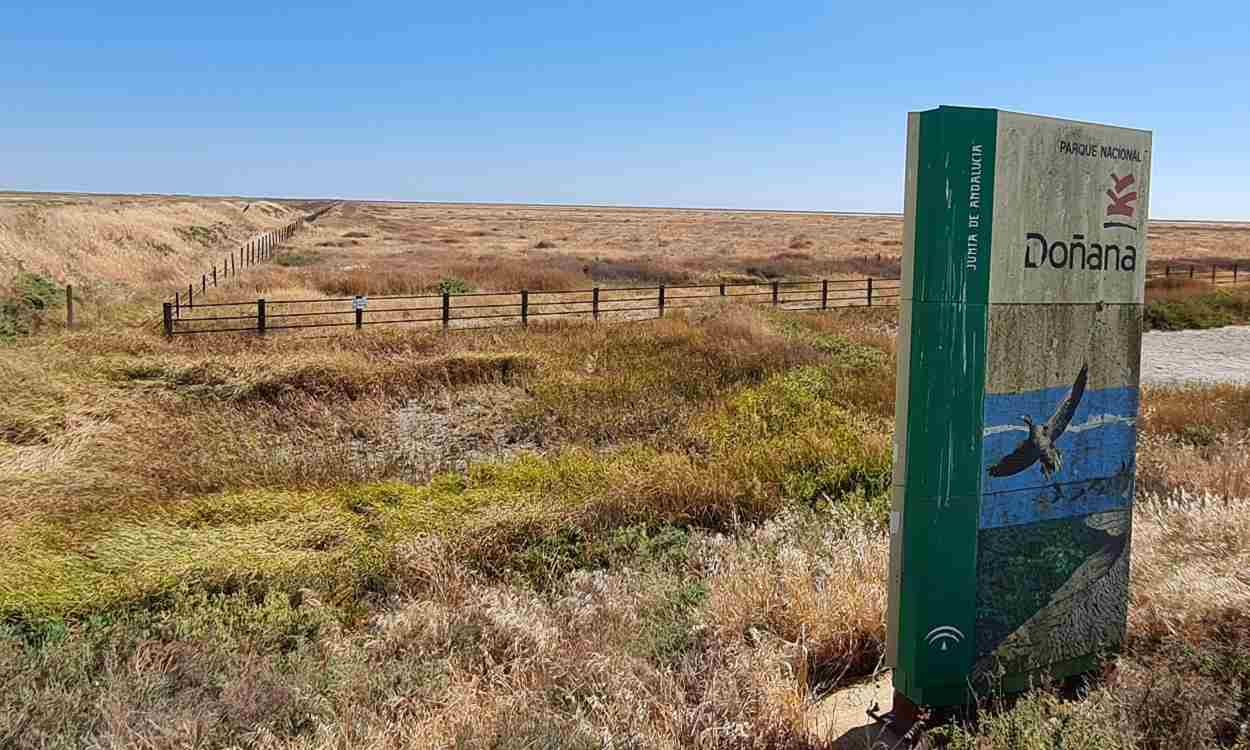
(454, 311)
(257, 250)
(1214, 274)
(451, 311)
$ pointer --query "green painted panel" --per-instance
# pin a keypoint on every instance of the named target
(954, 204)
(933, 614)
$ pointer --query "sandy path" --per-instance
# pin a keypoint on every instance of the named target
(1215, 355)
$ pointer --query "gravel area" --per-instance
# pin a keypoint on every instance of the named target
(1216, 355)
(447, 431)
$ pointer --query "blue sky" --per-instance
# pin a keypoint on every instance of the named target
(757, 105)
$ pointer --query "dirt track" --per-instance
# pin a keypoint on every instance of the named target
(1215, 355)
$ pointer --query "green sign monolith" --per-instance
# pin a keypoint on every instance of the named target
(1018, 366)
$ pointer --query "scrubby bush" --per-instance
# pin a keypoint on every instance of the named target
(296, 259)
(453, 285)
(1211, 309)
(23, 303)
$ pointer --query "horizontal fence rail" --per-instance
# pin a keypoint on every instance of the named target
(1215, 274)
(488, 309)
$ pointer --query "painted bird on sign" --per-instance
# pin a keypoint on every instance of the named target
(1040, 445)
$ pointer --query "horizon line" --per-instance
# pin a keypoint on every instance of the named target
(536, 204)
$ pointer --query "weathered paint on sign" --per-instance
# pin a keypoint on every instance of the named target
(1019, 348)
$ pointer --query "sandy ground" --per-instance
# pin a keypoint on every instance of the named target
(1214, 355)
(841, 718)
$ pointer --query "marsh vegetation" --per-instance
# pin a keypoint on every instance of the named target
(663, 534)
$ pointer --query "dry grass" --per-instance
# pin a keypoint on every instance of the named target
(516, 247)
(1197, 413)
(623, 245)
(1175, 288)
(132, 244)
(453, 660)
(662, 535)
(216, 586)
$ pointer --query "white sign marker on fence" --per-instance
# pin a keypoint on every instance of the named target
(359, 302)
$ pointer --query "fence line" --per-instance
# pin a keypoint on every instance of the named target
(257, 250)
(449, 311)
(1214, 274)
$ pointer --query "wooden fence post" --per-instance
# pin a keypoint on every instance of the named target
(661, 300)
(1167, 271)
(722, 289)
(360, 318)
(824, 294)
(1191, 270)
(594, 303)
(776, 292)
(214, 275)
(525, 307)
(69, 305)
(169, 320)
(178, 304)
(870, 291)
(191, 296)
(203, 283)
(446, 310)
(260, 316)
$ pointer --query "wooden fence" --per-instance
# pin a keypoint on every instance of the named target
(1215, 274)
(488, 309)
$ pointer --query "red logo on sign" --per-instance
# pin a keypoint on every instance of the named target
(1120, 200)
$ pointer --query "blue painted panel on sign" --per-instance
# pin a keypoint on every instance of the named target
(1095, 456)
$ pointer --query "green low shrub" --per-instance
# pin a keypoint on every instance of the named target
(23, 305)
(1212, 310)
(454, 285)
(295, 260)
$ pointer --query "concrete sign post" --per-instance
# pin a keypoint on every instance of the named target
(1018, 364)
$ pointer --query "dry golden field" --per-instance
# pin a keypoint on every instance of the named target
(662, 535)
(405, 248)
(125, 242)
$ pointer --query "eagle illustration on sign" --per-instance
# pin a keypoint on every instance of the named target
(1040, 444)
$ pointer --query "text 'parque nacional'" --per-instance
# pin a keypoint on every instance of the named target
(1094, 150)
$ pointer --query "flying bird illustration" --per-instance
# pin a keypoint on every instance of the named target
(1040, 445)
